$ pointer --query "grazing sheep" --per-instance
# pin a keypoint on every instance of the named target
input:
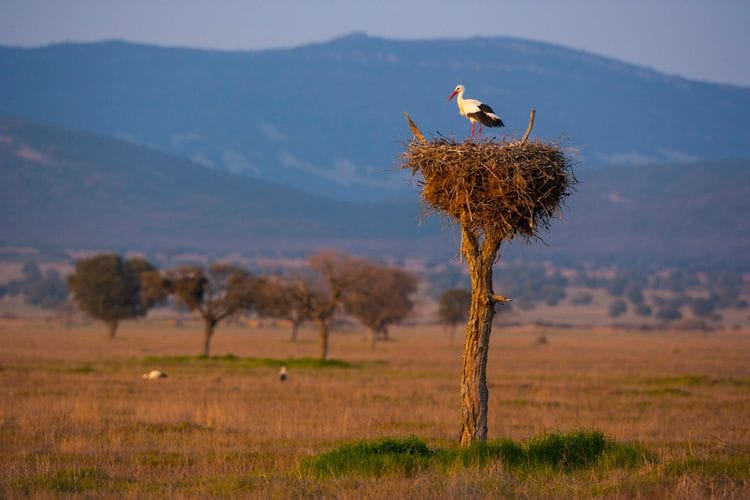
(154, 375)
(283, 374)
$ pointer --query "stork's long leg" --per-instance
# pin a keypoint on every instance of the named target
(471, 137)
(479, 134)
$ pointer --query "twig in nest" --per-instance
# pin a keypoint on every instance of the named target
(531, 126)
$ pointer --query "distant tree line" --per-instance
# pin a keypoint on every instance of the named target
(528, 284)
(662, 294)
(111, 289)
(703, 293)
(46, 290)
(375, 294)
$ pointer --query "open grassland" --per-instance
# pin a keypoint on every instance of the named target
(77, 419)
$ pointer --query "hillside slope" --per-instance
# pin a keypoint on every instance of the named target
(684, 214)
(68, 190)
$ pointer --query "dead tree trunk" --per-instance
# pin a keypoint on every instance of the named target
(323, 331)
(112, 328)
(497, 192)
(209, 325)
(383, 334)
(295, 330)
(474, 394)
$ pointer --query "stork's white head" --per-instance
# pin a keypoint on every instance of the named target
(458, 90)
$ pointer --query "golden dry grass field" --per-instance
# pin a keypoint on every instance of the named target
(77, 419)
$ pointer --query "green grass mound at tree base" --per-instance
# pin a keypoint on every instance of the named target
(553, 452)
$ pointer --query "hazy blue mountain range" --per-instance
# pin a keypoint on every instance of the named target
(681, 214)
(64, 189)
(327, 118)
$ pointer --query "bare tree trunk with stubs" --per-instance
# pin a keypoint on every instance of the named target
(295, 330)
(323, 331)
(497, 191)
(209, 325)
(479, 258)
(112, 328)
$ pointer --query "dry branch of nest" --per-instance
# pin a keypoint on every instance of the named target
(504, 188)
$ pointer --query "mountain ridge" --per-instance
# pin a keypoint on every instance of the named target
(363, 35)
(327, 117)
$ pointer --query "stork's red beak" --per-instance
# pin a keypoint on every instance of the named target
(453, 95)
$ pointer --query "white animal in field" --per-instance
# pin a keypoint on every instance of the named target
(283, 373)
(154, 375)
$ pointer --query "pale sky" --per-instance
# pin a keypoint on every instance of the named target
(699, 39)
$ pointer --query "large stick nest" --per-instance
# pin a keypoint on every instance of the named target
(502, 188)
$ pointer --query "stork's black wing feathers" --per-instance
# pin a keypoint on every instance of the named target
(485, 108)
(485, 119)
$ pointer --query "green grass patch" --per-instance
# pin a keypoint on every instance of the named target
(479, 455)
(82, 480)
(667, 391)
(574, 450)
(695, 380)
(236, 361)
(184, 426)
(736, 381)
(690, 379)
(736, 468)
(517, 402)
(554, 452)
(387, 456)
(80, 369)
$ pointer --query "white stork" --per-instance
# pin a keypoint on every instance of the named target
(476, 112)
(154, 375)
(283, 373)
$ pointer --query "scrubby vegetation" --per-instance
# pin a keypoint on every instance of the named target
(554, 452)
